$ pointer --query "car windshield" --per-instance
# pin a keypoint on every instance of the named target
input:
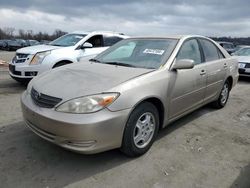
(243, 52)
(67, 40)
(138, 53)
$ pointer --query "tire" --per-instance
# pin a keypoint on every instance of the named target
(5, 45)
(143, 124)
(223, 98)
(60, 64)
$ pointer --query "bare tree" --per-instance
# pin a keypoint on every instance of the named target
(9, 31)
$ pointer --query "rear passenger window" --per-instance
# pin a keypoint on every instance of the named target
(190, 50)
(211, 52)
(111, 40)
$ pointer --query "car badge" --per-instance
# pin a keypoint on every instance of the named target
(37, 95)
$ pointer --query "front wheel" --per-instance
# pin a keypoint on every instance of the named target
(223, 98)
(141, 130)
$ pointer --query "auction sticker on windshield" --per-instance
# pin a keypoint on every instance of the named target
(153, 51)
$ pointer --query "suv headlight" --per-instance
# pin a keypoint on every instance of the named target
(88, 104)
(39, 57)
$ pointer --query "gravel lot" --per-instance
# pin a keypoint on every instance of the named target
(208, 148)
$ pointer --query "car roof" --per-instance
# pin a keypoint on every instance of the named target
(178, 37)
(97, 32)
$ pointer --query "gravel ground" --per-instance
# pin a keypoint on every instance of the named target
(208, 148)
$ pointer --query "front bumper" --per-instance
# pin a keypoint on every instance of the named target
(83, 133)
(25, 71)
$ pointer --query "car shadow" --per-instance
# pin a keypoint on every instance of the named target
(244, 79)
(185, 120)
(243, 180)
(27, 160)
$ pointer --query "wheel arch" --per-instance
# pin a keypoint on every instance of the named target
(157, 103)
(62, 61)
(230, 80)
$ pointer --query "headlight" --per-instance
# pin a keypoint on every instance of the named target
(87, 104)
(39, 57)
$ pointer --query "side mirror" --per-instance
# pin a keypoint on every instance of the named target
(86, 45)
(183, 64)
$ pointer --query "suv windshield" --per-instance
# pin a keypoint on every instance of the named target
(141, 53)
(67, 40)
(243, 52)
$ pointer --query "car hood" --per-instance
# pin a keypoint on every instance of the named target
(84, 78)
(245, 59)
(37, 48)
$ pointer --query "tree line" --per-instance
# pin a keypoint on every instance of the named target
(234, 40)
(11, 32)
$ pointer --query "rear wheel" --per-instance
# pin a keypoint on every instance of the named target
(223, 98)
(141, 130)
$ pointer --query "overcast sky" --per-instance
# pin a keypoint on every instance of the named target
(145, 17)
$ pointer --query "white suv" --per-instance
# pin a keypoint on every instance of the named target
(70, 48)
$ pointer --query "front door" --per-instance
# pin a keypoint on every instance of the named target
(189, 85)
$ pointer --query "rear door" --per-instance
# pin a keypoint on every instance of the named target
(216, 68)
(188, 89)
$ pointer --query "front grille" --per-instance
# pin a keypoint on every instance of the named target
(247, 65)
(243, 71)
(20, 58)
(43, 100)
(20, 61)
(34, 73)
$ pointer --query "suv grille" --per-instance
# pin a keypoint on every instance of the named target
(20, 58)
(43, 100)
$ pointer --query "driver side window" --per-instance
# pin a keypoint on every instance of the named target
(190, 50)
(96, 41)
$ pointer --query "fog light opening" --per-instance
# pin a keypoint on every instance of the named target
(78, 143)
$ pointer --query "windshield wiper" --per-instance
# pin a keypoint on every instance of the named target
(120, 64)
(95, 60)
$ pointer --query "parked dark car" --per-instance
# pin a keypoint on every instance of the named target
(45, 41)
(3, 44)
(12, 44)
(228, 46)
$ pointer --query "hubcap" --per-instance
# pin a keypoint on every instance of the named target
(144, 130)
(224, 94)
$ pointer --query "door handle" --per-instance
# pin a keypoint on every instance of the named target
(202, 72)
(225, 65)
